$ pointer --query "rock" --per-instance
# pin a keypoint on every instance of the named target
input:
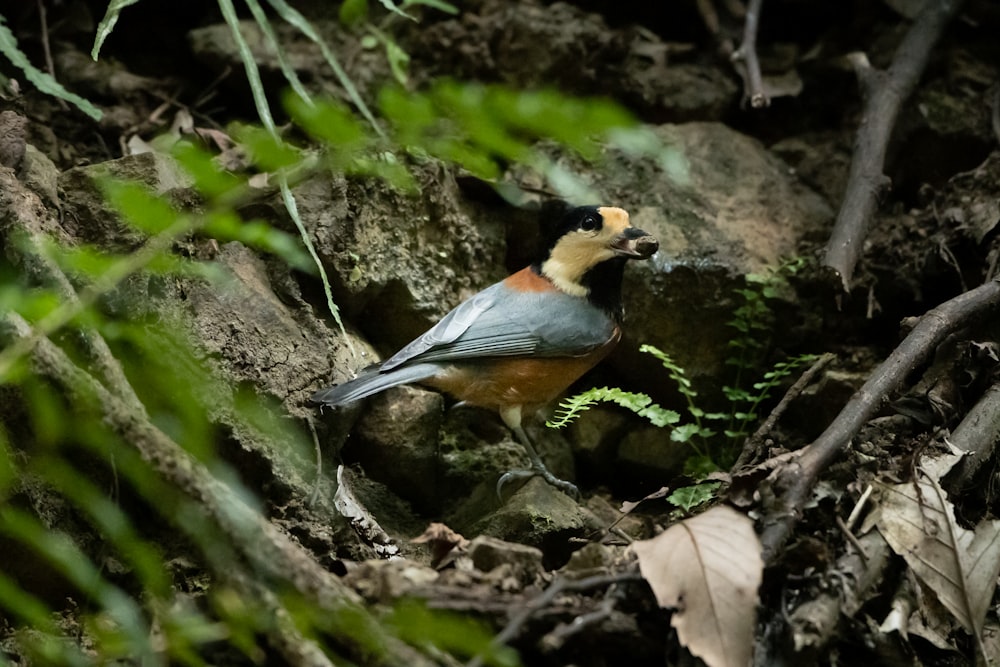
(529, 44)
(537, 515)
(647, 457)
(593, 558)
(285, 352)
(401, 258)
(386, 581)
(214, 46)
(40, 175)
(13, 130)
(397, 444)
(522, 562)
(594, 437)
(820, 403)
(90, 218)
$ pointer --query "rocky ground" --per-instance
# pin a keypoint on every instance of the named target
(403, 478)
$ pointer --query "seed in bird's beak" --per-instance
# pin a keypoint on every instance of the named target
(635, 243)
(646, 246)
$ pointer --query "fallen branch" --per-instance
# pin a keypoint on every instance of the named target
(793, 481)
(978, 435)
(884, 93)
(815, 621)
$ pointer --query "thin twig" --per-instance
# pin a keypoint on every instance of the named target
(853, 540)
(794, 481)
(977, 435)
(544, 599)
(816, 620)
(859, 507)
(43, 24)
(753, 443)
(709, 16)
(746, 54)
(884, 93)
(555, 639)
(50, 66)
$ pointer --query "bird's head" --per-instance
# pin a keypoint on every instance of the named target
(586, 240)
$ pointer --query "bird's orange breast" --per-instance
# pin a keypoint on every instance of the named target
(529, 381)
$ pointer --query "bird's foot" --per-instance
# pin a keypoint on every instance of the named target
(569, 488)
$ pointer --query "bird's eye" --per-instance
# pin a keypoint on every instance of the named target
(590, 223)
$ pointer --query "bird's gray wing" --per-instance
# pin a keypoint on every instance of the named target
(502, 322)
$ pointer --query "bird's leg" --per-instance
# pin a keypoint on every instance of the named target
(512, 417)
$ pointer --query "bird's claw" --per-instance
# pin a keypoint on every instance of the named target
(569, 488)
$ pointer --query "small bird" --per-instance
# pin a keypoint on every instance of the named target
(520, 343)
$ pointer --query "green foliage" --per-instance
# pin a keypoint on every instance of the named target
(641, 404)
(41, 80)
(687, 498)
(108, 23)
(752, 321)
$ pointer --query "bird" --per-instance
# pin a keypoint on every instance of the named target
(520, 343)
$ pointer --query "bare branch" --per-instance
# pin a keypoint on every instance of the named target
(746, 55)
(794, 480)
(884, 93)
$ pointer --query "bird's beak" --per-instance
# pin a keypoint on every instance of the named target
(635, 244)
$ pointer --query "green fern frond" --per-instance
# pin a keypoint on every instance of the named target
(639, 403)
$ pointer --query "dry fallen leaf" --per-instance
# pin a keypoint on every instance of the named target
(959, 565)
(708, 568)
(443, 543)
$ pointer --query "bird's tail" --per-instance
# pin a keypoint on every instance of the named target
(371, 382)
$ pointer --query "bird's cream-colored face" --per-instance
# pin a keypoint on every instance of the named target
(598, 238)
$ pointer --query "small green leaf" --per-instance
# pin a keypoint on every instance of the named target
(41, 80)
(330, 122)
(399, 61)
(269, 152)
(684, 432)
(700, 466)
(107, 24)
(392, 7)
(689, 497)
(353, 12)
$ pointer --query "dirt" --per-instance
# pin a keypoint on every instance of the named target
(768, 183)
